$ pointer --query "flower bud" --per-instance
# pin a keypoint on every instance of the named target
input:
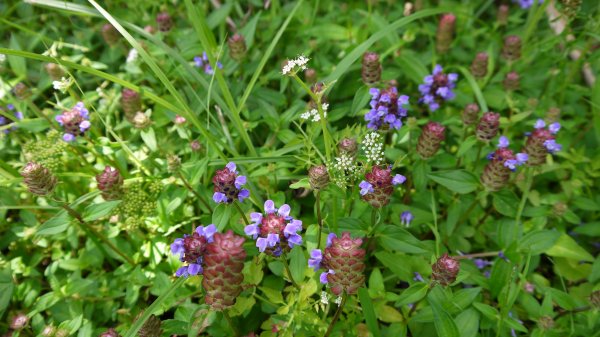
(537, 147)
(496, 174)
(348, 146)
(173, 163)
(511, 50)
(111, 332)
(371, 68)
(21, 91)
(150, 29)
(237, 47)
(318, 176)
(503, 11)
(19, 321)
(141, 120)
(480, 65)
(470, 113)
(310, 75)
(110, 34)
(378, 186)
(430, 140)
(130, 102)
(164, 22)
(195, 146)
(553, 115)
(110, 182)
(445, 32)
(559, 209)
(39, 180)
(488, 126)
(445, 270)
(48, 331)
(511, 81)
(546, 323)
(54, 70)
(223, 265)
(344, 260)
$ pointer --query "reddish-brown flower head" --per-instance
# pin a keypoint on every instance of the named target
(430, 140)
(39, 180)
(371, 68)
(164, 21)
(237, 47)
(110, 182)
(480, 65)
(511, 50)
(344, 258)
(445, 32)
(445, 270)
(488, 126)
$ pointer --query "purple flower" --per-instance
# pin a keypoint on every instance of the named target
(275, 230)
(387, 108)
(330, 237)
(526, 4)
(228, 185)
(202, 62)
(503, 142)
(67, 137)
(437, 88)
(315, 259)
(398, 179)
(481, 263)
(522, 158)
(191, 249)
(323, 277)
(418, 277)
(365, 188)
(75, 122)
(5, 121)
(552, 146)
(219, 197)
(539, 124)
(406, 218)
(554, 128)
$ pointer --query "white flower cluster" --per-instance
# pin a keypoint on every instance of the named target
(314, 113)
(373, 148)
(324, 297)
(343, 169)
(2, 58)
(292, 65)
(338, 300)
(132, 56)
(62, 85)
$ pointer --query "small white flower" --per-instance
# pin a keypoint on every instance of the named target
(132, 56)
(338, 300)
(324, 297)
(373, 148)
(2, 58)
(314, 113)
(62, 85)
(295, 65)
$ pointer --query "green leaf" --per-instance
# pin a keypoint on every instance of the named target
(466, 145)
(17, 64)
(368, 311)
(538, 241)
(302, 183)
(506, 202)
(566, 247)
(443, 322)
(6, 289)
(388, 314)
(412, 66)
(595, 274)
(221, 216)
(97, 211)
(398, 239)
(56, 224)
(488, 311)
(390, 261)
(298, 264)
(412, 294)
(376, 282)
(468, 321)
(149, 139)
(459, 181)
(475, 87)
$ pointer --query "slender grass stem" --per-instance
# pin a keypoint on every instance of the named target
(191, 189)
(319, 218)
(336, 316)
(529, 173)
(287, 270)
(239, 209)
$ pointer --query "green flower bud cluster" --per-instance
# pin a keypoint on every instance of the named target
(139, 202)
(47, 151)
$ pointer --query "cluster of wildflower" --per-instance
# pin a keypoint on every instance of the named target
(502, 161)
(275, 231)
(110, 183)
(313, 113)
(49, 150)
(191, 249)
(38, 179)
(445, 270)
(343, 169)
(292, 66)
(318, 177)
(437, 88)
(541, 142)
(378, 185)
(63, 85)
(75, 122)
(387, 108)
(228, 185)
(6, 121)
(202, 62)
(373, 147)
(139, 202)
(526, 4)
(343, 261)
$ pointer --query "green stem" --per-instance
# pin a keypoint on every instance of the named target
(336, 316)
(230, 321)
(87, 228)
(191, 189)
(529, 181)
(319, 218)
(239, 209)
(288, 271)
(436, 233)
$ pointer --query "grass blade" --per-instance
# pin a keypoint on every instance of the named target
(476, 90)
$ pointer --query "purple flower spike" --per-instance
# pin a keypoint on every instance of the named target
(552, 146)
(244, 193)
(387, 109)
(284, 210)
(191, 249)
(418, 277)
(275, 231)
(231, 166)
(67, 137)
(261, 243)
(437, 88)
(228, 184)
(240, 181)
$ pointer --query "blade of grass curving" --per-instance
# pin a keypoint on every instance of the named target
(135, 327)
(187, 112)
(357, 52)
(208, 41)
(265, 58)
(368, 311)
(476, 90)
